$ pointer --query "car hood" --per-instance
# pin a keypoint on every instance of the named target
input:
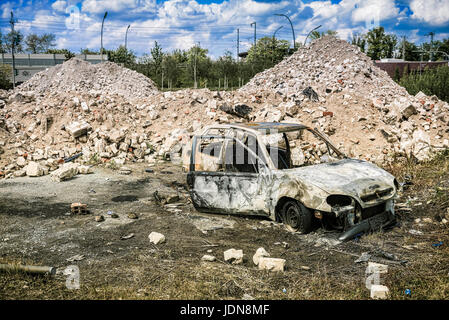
(347, 177)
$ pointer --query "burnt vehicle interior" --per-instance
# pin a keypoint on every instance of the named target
(300, 147)
(225, 163)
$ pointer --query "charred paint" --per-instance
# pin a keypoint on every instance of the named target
(259, 193)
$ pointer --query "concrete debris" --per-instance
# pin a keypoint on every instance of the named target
(208, 257)
(67, 171)
(156, 237)
(78, 75)
(77, 129)
(233, 256)
(379, 291)
(132, 215)
(332, 77)
(34, 169)
(261, 252)
(271, 264)
(116, 116)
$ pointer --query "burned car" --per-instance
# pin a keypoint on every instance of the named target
(290, 173)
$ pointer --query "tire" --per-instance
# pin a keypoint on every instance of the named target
(296, 217)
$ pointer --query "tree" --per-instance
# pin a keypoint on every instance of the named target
(15, 38)
(380, 45)
(316, 34)
(39, 44)
(267, 53)
(68, 54)
(88, 51)
(2, 43)
(5, 76)
(122, 55)
(359, 41)
(198, 61)
(410, 50)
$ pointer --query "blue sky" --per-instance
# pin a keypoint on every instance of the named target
(177, 24)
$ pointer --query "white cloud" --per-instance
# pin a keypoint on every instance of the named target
(59, 5)
(434, 12)
(6, 9)
(100, 6)
(378, 10)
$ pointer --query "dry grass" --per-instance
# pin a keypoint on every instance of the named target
(332, 275)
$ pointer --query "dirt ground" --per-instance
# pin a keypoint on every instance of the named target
(35, 228)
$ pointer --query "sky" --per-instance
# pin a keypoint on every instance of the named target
(178, 24)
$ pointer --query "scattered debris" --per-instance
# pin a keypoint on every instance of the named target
(415, 232)
(233, 256)
(211, 223)
(79, 208)
(156, 237)
(77, 257)
(363, 258)
(132, 215)
(379, 291)
(129, 236)
(438, 244)
(208, 257)
(28, 269)
(271, 264)
(99, 218)
(261, 252)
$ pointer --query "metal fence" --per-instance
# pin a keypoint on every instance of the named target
(29, 64)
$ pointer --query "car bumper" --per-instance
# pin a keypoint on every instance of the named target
(376, 223)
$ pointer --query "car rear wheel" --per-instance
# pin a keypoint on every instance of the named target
(296, 217)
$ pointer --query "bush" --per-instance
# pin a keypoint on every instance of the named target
(5, 75)
(430, 81)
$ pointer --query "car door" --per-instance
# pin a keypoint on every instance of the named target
(234, 185)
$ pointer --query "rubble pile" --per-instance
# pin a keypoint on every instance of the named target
(93, 114)
(94, 128)
(333, 86)
(76, 75)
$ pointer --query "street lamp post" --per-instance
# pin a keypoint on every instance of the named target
(291, 25)
(310, 33)
(254, 23)
(274, 39)
(102, 25)
(126, 37)
(274, 34)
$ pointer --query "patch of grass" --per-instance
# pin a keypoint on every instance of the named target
(94, 159)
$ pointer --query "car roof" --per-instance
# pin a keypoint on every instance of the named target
(268, 127)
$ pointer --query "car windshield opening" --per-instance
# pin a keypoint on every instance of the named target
(298, 148)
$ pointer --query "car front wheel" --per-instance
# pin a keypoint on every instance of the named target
(296, 217)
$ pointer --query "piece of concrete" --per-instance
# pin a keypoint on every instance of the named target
(67, 171)
(84, 170)
(374, 267)
(261, 252)
(233, 256)
(156, 237)
(77, 129)
(272, 264)
(34, 169)
(379, 291)
(208, 257)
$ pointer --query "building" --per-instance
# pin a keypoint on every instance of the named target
(29, 64)
(391, 65)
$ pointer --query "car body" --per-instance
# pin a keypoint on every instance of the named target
(248, 168)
